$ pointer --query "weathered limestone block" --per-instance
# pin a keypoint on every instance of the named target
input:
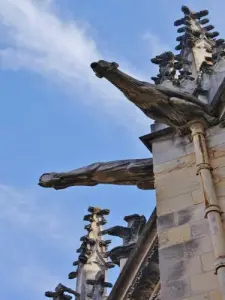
(186, 254)
(197, 196)
(165, 183)
(204, 282)
(203, 296)
(215, 295)
(207, 261)
(167, 150)
(169, 205)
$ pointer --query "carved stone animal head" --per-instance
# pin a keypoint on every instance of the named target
(102, 67)
(49, 180)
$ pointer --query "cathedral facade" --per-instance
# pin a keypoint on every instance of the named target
(179, 253)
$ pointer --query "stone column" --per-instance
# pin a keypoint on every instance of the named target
(186, 253)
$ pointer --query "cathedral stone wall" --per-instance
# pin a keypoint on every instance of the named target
(185, 249)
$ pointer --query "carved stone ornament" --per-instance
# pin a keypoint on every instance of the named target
(59, 293)
(174, 108)
(130, 235)
(137, 172)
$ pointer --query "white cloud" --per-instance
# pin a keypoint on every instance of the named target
(39, 41)
(54, 46)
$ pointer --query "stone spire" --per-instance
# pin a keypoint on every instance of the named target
(200, 58)
(91, 264)
(129, 234)
(197, 41)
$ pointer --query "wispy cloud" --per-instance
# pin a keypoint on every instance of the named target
(30, 228)
(27, 211)
(155, 46)
(154, 43)
(40, 41)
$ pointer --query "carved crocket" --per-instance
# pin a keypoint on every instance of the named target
(137, 172)
(169, 106)
(59, 293)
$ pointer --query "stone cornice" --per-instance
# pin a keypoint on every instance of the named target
(148, 139)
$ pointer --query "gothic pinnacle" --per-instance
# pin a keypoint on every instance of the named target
(91, 261)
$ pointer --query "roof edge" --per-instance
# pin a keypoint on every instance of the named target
(133, 263)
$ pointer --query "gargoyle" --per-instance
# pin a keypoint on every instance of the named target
(59, 293)
(128, 234)
(120, 231)
(169, 106)
(137, 172)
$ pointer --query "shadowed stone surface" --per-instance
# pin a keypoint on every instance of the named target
(166, 221)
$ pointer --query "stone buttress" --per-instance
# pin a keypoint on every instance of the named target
(186, 253)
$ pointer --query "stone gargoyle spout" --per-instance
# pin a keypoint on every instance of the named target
(137, 172)
(169, 106)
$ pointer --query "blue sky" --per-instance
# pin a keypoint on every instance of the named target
(57, 116)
